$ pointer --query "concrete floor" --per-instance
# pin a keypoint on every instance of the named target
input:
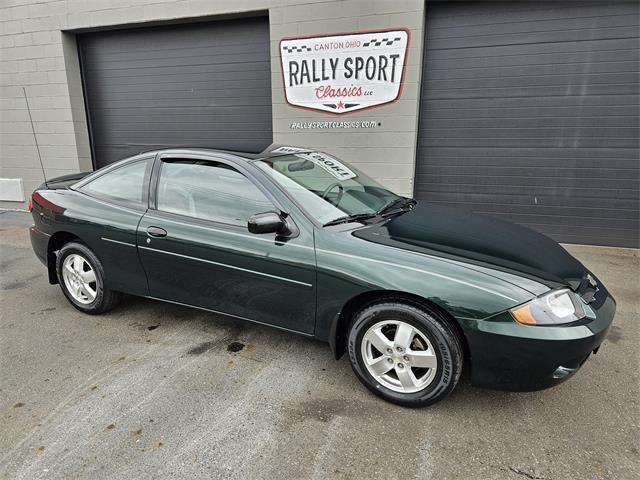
(151, 390)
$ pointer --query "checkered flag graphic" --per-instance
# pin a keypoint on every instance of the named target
(385, 41)
(303, 48)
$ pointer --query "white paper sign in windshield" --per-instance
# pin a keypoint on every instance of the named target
(345, 72)
(330, 164)
(285, 149)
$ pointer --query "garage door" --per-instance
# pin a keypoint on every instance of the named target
(529, 112)
(205, 84)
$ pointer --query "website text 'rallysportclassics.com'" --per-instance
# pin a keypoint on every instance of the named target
(334, 124)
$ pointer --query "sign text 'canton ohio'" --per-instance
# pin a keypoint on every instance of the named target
(346, 72)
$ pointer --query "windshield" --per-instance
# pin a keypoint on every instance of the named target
(326, 187)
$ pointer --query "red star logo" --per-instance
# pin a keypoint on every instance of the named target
(340, 105)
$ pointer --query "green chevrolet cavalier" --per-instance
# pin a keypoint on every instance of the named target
(302, 241)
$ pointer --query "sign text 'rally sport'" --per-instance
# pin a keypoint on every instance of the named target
(345, 72)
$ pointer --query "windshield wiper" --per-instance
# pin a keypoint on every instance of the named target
(401, 204)
(398, 205)
(350, 218)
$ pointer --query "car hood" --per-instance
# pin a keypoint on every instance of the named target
(478, 239)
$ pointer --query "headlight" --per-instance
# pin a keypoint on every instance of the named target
(553, 308)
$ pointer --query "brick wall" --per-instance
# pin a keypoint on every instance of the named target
(38, 51)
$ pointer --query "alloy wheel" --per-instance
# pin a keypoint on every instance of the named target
(79, 278)
(399, 356)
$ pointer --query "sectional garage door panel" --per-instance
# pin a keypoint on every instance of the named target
(529, 112)
(205, 84)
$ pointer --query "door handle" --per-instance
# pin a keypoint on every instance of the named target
(156, 232)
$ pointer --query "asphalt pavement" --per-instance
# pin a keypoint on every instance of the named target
(153, 390)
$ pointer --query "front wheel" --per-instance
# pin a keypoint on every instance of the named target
(81, 278)
(406, 354)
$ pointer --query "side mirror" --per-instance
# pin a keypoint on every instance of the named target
(267, 222)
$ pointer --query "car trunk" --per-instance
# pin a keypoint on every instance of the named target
(65, 181)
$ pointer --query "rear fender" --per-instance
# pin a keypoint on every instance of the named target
(56, 242)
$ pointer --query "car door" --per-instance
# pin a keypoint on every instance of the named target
(196, 249)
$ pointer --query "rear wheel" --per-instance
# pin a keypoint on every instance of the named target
(81, 278)
(404, 353)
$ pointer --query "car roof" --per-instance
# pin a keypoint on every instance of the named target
(273, 150)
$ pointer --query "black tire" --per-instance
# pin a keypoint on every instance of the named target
(105, 299)
(445, 340)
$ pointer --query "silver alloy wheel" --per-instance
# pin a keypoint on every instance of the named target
(399, 356)
(79, 278)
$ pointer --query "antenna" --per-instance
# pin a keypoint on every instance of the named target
(34, 135)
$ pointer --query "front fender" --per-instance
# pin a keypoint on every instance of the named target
(349, 266)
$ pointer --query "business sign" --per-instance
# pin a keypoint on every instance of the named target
(344, 73)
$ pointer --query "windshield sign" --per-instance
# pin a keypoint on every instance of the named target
(325, 187)
(329, 163)
(285, 149)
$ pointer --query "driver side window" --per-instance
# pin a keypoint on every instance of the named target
(209, 191)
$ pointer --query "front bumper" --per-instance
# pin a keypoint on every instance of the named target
(506, 355)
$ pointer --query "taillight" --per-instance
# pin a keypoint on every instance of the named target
(46, 204)
(30, 204)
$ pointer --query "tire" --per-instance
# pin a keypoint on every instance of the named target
(409, 381)
(92, 298)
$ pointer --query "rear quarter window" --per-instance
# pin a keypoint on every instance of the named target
(124, 184)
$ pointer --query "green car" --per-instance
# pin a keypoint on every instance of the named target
(302, 241)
